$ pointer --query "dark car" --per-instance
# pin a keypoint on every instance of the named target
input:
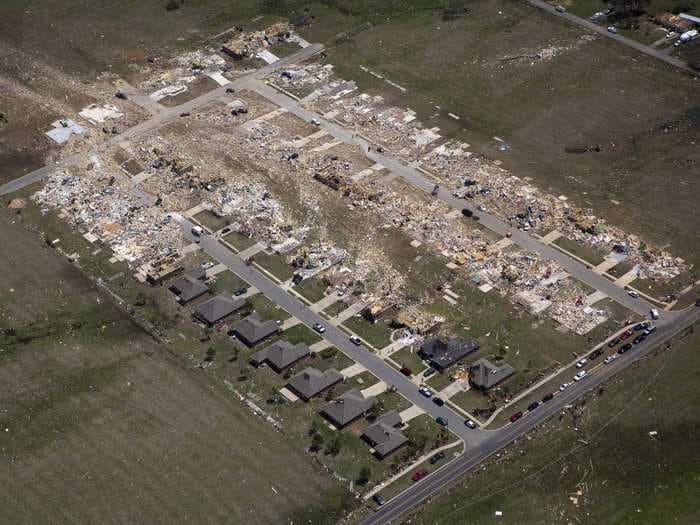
(613, 342)
(697, 303)
(595, 354)
(515, 417)
(406, 371)
(624, 348)
(437, 457)
(420, 474)
(120, 95)
(639, 327)
(548, 397)
(441, 421)
(239, 291)
(185, 114)
(467, 212)
(230, 90)
(532, 406)
(429, 371)
(439, 402)
(639, 339)
(378, 499)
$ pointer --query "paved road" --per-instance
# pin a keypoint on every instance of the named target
(642, 48)
(419, 180)
(162, 116)
(498, 439)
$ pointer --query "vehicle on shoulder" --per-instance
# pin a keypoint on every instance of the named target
(548, 397)
(419, 474)
(560, 9)
(378, 499)
(580, 375)
(515, 417)
(581, 363)
(595, 354)
(633, 294)
(639, 339)
(406, 371)
(429, 371)
(437, 457)
(610, 359)
(596, 16)
(624, 348)
(441, 421)
(624, 335)
(425, 391)
(564, 386)
(438, 401)
(467, 212)
(532, 406)
(613, 342)
(639, 327)
(612, 29)
(469, 424)
(355, 340)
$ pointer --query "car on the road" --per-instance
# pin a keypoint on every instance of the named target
(469, 424)
(580, 375)
(650, 330)
(482, 207)
(230, 90)
(624, 348)
(419, 474)
(595, 354)
(425, 391)
(560, 9)
(610, 359)
(654, 314)
(697, 303)
(406, 371)
(315, 121)
(437, 457)
(639, 339)
(239, 291)
(121, 95)
(429, 371)
(624, 335)
(613, 342)
(185, 114)
(467, 212)
(564, 386)
(548, 397)
(318, 327)
(378, 499)
(581, 363)
(197, 231)
(515, 417)
(639, 327)
(612, 29)
(532, 406)
(441, 421)
(438, 401)
(596, 16)
(633, 294)
(355, 340)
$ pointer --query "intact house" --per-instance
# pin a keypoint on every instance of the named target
(483, 374)
(280, 355)
(217, 308)
(442, 354)
(311, 382)
(190, 286)
(383, 435)
(347, 408)
(253, 329)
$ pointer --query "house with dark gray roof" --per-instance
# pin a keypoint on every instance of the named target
(280, 355)
(383, 435)
(442, 354)
(253, 329)
(216, 308)
(311, 382)
(190, 286)
(483, 374)
(347, 408)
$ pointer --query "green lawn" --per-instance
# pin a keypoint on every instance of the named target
(439, 380)
(239, 241)
(336, 359)
(405, 357)
(211, 221)
(376, 334)
(267, 309)
(313, 289)
(590, 255)
(275, 264)
(227, 281)
(470, 400)
(301, 334)
(335, 308)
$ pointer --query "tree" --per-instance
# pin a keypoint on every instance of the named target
(365, 473)
(172, 5)
(211, 353)
(316, 443)
(333, 449)
(314, 427)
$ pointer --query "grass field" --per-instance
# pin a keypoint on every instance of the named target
(95, 413)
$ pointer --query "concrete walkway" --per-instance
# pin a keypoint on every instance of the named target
(249, 252)
(320, 346)
(550, 237)
(349, 312)
(325, 302)
(454, 388)
(628, 277)
(289, 323)
(595, 297)
(352, 370)
(411, 412)
(378, 388)
(393, 347)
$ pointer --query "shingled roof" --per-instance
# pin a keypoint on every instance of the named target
(218, 307)
(189, 286)
(382, 434)
(253, 329)
(483, 374)
(310, 382)
(348, 407)
(442, 354)
(280, 355)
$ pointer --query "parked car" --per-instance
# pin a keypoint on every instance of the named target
(406, 371)
(596, 16)
(564, 386)
(639, 327)
(467, 212)
(595, 354)
(613, 342)
(429, 371)
(610, 359)
(230, 90)
(580, 375)
(482, 207)
(206, 265)
(469, 424)
(438, 401)
(624, 348)
(548, 397)
(639, 339)
(378, 499)
(185, 114)
(437, 457)
(671, 35)
(515, 417)
(441, 421)
(612, 29)
(560, 9)
(120, 95)
(651, 330)
(425, 391)
(319, 328)
(355, 340)
(315, 122)
(239, 291)
(581, 363)
(624, 335)
(697, 303)
(419, 474)
(532, 406)
(654, 313)
(633, 294)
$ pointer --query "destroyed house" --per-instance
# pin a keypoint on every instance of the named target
(383, 436)
(311, 382)
(347, 408)
(442, 354)
(483, 374)
(253, 329)
(280, 355)
(216, 308)
(190, 286)
(379, 310)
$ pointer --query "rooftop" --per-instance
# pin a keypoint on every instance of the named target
(383, 435)
(253, 329)
(348, 407)
(443, 354)
(280, 355)
(310, 382)
(218, 307)
(484, 374)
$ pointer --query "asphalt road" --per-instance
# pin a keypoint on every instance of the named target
(588, 24)
(334, 335)
(421, 181)
(160, 117)
(498, 439)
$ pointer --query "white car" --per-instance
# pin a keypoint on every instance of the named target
(596, 16)
(580, 375)
(610, 359)
(315, 122)
(582, 363)
(482, 207)
(206, 265)
(633, 294)
(425, 391)
(564, 386)
(612, 29)
(654, 313)
(355, 340)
